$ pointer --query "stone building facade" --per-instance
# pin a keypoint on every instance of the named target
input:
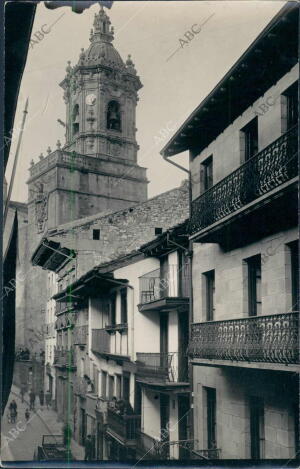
(243, 228)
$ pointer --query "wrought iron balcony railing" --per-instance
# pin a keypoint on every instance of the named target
(126, 426)
(174, 284)
(100, 341)
(171, 366)
(174, 449)
(266, 170)
(212, 453)
(80, 335)
(64, 357)
(271, 339)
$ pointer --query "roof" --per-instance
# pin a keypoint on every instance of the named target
(102, 53)
(173, 238)
(272, 54)
(89, 284)
(51, 255)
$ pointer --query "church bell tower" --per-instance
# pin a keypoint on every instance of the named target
(101, 98)
(96, 169)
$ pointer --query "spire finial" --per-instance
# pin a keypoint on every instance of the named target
(41, 156)
(69, 68)
(49, 150)
(102, 29)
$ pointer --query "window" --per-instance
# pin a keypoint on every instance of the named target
(103, 384)
(254, 285)
(158, 231)
(95, 378)
(124, 306)
(112, 309)
(256, 427)
(75, 119)
(211, 423)
(209, 278)
(118, 386)
(249, 139)
(206, 171)
(111, 387)
(113, 116)
(291, 105)
(96, 234)
(294, 253)
(126, 387)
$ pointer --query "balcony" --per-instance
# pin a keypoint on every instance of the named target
(212, 453)
(124, 428)
(102, 345)
(263, 188)
(64, 358)
(80, 335)
(166, 293)
(162, 368)
(182, 449)
(112, 328)
(267, 342)
(65, 307)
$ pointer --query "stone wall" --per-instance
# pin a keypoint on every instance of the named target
(123, 231)
(234, 387)
(230, 277)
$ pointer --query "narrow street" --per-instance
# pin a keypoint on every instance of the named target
(20, 440)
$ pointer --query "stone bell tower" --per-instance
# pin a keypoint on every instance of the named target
(101, 98)
(96, 169)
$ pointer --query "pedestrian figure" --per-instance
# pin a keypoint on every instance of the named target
(32, 399)
(41, 396)
(48, 399)
(13, 411)
(88, 448)
(22, 393)
(27, 414)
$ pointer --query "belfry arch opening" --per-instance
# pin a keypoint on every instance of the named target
(113, 117)
(75, 119)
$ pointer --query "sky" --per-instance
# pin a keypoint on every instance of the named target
(178, 69)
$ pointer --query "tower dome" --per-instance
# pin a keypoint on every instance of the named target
(101, 50)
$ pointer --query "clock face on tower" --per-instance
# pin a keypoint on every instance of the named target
(90, 99)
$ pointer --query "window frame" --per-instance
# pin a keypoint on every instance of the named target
(209, 291)
(246, 152)
(207, 173)
(253, 300)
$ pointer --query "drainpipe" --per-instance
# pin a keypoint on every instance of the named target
(190, 256)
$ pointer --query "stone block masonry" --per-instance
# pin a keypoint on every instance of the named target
(123, 231)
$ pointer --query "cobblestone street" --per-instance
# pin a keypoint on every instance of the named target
(20, 440)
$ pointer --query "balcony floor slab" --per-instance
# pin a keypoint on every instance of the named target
(164, 304)
(291, 368)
